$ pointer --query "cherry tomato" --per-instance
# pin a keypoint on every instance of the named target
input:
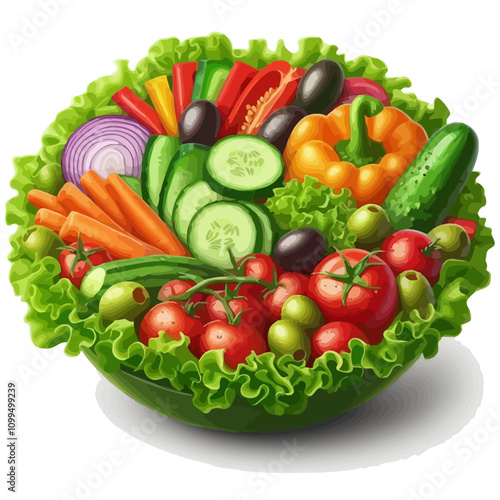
(172, 319)
(368, 299)
(74, 261)
(177, 287)
(262, 267)
(238, 341)
(289, 284)
(335, 336)
(407, 250)
(255, 315)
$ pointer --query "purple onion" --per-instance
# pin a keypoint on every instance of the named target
(362, 86)
(106, 144)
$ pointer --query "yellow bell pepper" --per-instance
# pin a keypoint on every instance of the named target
(362, 146)
(163, 101)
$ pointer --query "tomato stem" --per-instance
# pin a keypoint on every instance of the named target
(352, 275)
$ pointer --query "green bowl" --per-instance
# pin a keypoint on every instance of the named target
(161, 397)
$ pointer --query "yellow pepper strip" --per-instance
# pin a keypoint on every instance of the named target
(368, 161)
(163, 101)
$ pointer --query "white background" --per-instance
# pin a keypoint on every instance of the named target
(450, 50)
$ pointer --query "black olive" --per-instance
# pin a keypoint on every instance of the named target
(278, 126)
(300, 250)
(200, 123)
(320, 87)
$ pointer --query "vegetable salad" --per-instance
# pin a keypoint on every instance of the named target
(250, 224)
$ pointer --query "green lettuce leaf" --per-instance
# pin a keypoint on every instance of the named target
(311, 204)
(56, 308)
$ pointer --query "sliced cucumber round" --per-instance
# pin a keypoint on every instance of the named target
(245, 167)
(192, 199)
(223, 228)
(268, 226)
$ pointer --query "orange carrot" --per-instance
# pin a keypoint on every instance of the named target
(50, 219)
(146, 225)
(118, 244)
(73, 200)
(94, 186)
(41, 199)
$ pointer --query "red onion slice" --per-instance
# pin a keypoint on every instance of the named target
(106, 144)
(362, 86)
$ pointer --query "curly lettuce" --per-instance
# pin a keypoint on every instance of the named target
(311, 204)
(280, 387)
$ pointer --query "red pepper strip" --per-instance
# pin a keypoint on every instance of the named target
(141, 111)
(238, 79)
(183, 82)
(272, 88)
(469, 225)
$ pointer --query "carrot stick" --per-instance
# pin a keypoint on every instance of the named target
(94, 186)
(146, 224)
(41, 199)
(73, 200)
(118, 244)
(50, 219)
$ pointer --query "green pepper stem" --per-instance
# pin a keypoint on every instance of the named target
(360, 149)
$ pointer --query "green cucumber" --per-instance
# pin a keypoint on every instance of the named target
(133, 182)
(187, 168)
(268, 226)
(245, 167)
(223, 227)
(192, 199)
(152, 272)
(430, 186)
(156, 162)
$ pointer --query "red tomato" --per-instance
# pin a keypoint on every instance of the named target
(178, 287)
(262, 267)
(372, 309)
(255, 315)
(73, 261)
(238, 341)
(406, 251)
(335, 336)
(170, 317)
(291, 284)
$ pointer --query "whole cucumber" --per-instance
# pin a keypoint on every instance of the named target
(152, 272)
(430, 186)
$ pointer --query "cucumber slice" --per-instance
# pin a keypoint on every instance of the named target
(156, 162)
(268, 226)
(192, 199)
(245, 167)
(187, 168)
(223, 226)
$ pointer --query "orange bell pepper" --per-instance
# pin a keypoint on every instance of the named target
(362, 146)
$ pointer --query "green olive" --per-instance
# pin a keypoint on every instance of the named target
(49, 178)
(371, 226)
(415, 292)
(287, 337)
(304, 311)
(42, 242)
(124, 300)
(451, 241)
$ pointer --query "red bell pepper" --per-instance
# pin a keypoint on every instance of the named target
(469, 225)
(183, 75)
(271, 88)
(239, 77)
(141, 111)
